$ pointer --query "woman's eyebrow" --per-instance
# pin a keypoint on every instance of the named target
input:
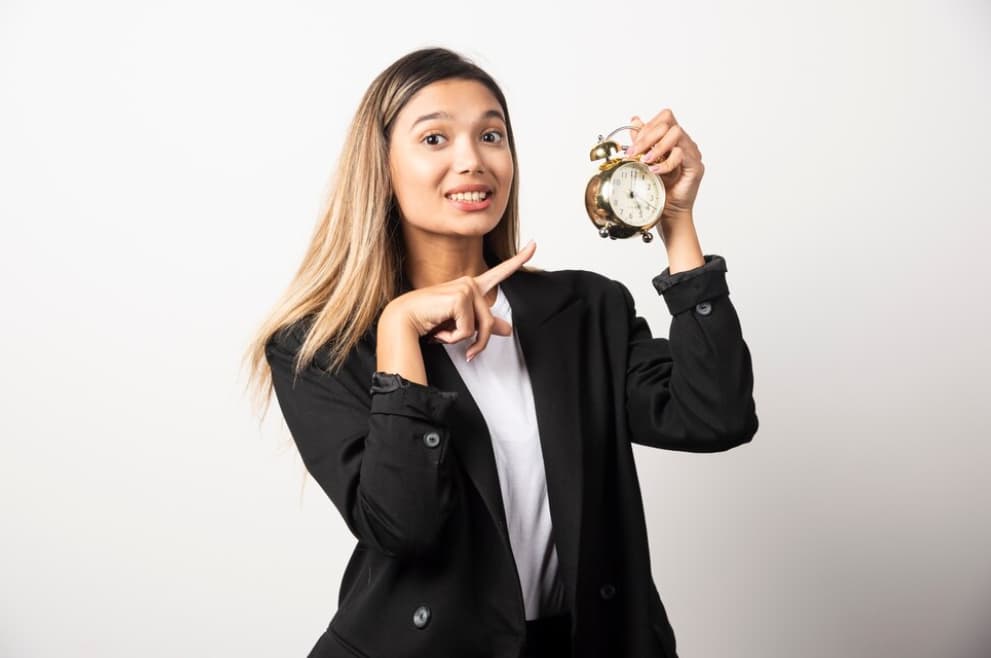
(444, 115)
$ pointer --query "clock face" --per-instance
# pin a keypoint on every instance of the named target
(636, 195)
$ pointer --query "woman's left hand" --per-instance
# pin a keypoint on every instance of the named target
(671, 154)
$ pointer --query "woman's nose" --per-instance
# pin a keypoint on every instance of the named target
(468, 156)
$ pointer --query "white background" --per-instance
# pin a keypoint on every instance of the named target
(162, 167)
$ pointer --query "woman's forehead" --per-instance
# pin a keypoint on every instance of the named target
(452, 100)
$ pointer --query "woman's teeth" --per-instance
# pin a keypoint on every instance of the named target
(468, 196)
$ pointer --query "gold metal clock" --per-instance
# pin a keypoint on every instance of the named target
(624, 197)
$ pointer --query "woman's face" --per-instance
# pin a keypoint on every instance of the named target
(449, 135)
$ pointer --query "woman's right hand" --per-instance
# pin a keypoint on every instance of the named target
(455, 310)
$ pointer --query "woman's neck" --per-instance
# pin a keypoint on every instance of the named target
(431, 261)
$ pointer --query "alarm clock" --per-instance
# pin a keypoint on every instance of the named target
(624, 197)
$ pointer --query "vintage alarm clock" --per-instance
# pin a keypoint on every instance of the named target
(624, 197)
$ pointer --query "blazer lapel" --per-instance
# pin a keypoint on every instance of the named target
(546, 315)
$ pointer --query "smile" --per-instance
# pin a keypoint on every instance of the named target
(470, 201)
(468, 196)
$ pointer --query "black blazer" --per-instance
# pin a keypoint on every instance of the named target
(413, 473)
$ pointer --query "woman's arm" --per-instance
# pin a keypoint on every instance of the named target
(397, 347)
(692, 391)
(383, 465)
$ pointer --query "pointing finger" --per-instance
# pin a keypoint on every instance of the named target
(488, 279)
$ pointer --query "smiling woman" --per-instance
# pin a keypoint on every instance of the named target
(472, 418)
(452, 172)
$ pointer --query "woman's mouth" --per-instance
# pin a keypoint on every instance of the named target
(469, 201)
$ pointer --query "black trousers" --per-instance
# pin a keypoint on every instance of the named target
(548, 637)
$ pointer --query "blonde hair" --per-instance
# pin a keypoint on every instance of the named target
(353, 266)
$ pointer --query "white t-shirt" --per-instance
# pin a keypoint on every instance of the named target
(498, 381)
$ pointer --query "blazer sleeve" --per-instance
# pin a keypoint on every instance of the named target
(692, 391)
(384, 464)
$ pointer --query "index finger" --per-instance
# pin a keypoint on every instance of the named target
(636, 125)
(488, 279)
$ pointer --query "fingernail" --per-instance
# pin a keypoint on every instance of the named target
(470, 357)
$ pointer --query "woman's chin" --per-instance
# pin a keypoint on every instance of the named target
(472, 223)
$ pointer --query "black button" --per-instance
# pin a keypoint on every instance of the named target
(421, 616)
(607, 591)
(431, 439)
(704, 308)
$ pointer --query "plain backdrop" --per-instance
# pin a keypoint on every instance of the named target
(162, 166)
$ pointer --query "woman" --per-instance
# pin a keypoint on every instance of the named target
(472, 417)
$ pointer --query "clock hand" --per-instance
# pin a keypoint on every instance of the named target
(640, 198)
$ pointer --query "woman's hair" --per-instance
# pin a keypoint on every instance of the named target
(354, 264)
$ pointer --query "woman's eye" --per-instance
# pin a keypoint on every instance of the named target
(432, 138)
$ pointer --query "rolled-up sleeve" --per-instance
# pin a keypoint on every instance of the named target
(692, 391)
(383, 463)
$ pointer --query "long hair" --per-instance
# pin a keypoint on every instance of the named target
(353, 266)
